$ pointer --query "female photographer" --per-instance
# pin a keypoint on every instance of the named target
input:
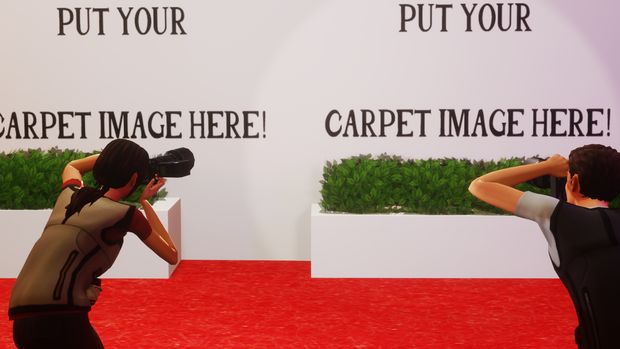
(83, 236)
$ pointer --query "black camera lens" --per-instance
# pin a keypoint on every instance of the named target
(174, 163)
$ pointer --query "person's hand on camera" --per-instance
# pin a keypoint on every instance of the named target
(152, 188)
(557, 165)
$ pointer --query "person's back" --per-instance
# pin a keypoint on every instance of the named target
(69, 256)
(587, 243)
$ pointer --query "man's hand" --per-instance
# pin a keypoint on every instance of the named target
(557, 165)
(152, 188)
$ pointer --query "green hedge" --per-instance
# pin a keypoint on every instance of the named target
(389, 184)
(31, 179)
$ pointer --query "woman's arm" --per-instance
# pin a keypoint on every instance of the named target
(159, 240)
(496, 188)
(76, 168)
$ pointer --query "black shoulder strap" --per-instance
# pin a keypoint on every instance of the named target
(608, 227)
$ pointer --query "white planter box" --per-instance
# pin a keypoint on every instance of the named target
(426, 246)
(22, 228)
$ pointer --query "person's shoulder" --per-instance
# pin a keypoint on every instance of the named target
(531, 201)
(609, 211)
(105, 201)
(540, 197)
(574, 213)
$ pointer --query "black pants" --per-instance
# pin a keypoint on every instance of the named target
(67, 331)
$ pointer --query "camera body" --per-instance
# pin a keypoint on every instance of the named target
(174, 163)
(557, 185)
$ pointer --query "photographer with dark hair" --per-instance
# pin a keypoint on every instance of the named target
(83, 236)
(582, 232)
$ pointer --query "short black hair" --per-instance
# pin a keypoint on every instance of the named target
(120, 159)
(598, 167)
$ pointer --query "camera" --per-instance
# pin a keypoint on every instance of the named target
(557, 185)
(174, 163)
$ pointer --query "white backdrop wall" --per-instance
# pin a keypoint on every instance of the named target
(295, 61)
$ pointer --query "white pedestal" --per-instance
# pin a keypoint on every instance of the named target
(426, 246)
(22, 228)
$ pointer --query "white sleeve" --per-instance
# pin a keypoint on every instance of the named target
(539, 208)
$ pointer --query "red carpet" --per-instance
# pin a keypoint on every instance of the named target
(214, 304)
